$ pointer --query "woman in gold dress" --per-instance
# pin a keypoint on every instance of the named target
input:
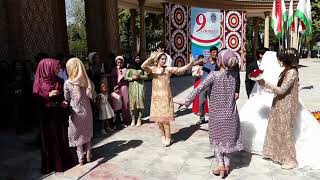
(161, 110)
(279, 145)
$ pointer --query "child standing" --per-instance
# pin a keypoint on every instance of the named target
(117, 107)
(106, 113)
(79, 92)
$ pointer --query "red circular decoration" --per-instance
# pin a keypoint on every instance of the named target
(233, 41)
(178, 16)
(179, 62)
(179, 41)
(233, 20)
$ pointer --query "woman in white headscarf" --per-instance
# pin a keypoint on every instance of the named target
(79, 92)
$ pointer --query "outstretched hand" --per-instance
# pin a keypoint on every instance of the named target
(181, 102)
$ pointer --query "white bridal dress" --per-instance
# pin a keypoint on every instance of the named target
(254, 120)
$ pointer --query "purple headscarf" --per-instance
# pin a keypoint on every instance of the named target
(45, 79)
(228, 58)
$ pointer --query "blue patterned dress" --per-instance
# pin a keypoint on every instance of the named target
(224, 124)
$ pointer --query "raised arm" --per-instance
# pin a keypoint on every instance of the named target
(181, 70)
(146, 65)
(288, 81)
(208, 81)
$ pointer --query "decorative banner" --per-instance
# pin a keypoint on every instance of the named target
(205, 30)
(191, 29)
(177, 32)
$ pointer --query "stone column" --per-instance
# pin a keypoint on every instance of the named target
(133, 13)
(142, 30)
(95, 26)
(256, 36)
(4, 36)
(112, 24)
(295, 33)
(266, 29)
(36, 26)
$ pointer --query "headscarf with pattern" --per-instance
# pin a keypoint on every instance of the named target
(228, 58)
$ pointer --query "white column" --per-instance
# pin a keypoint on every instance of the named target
(266, 29)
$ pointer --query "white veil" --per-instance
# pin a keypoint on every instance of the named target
(254, 119)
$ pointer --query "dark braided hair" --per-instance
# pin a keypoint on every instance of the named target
(290, 58)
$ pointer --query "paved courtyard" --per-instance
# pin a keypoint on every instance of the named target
(136, 153)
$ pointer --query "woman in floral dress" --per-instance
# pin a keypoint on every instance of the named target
(136, 76)
(224, 123)
(79, 92)
(161, 110)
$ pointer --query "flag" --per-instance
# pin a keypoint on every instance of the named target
(303, 12)
(290, 25)
(279, 17)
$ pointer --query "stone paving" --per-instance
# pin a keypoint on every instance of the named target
(136, 153)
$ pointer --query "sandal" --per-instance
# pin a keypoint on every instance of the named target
(219, 171)
(169, 143)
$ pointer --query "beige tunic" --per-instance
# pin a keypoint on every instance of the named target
(279, 143)
(161, 109)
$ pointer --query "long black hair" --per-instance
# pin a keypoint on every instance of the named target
(290, 58)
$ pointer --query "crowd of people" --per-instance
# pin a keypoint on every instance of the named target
(68, 97)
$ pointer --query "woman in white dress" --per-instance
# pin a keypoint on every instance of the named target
(254, 120)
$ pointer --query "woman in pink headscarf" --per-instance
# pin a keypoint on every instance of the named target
(47, 88)
(224, 124)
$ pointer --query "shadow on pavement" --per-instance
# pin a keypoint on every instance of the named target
(244, 160)
(184, 133)
(111, 150)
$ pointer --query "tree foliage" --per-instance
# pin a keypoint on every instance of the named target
(77, 27)
(310, 41)
(153, 27)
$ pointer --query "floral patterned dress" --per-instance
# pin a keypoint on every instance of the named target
(224, 123)
(279, 143)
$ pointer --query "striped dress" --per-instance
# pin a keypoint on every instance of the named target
(80, 130)
(224, 124)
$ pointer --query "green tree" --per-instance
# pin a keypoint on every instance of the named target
(77, 28)
(310, 41)
(153, 27)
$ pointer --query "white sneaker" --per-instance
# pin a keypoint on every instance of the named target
(104, 132)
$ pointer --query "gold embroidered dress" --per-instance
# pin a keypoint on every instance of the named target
(279, 142)
(161, 109)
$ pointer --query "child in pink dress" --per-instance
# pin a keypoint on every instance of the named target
(117, 107)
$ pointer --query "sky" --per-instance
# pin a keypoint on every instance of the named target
(68, 4)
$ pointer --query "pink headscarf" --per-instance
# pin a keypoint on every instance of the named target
(45, 78)
(228, 58)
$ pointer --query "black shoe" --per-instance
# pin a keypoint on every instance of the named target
(200, 122)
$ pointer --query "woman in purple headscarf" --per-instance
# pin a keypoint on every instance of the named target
(47, 88)
(224, 124)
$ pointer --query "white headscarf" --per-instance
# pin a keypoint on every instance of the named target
(78, 76)
(90, 56)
